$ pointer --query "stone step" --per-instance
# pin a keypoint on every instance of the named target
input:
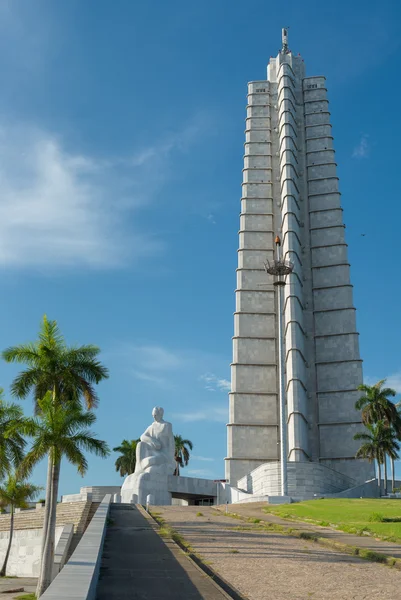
(74, 512)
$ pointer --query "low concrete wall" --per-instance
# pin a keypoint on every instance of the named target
(230, 494)
(305, 479)
(98, 492)
(80, 575)
(187, 487)
(77, 497)
(24, 559)
(61, 551)
(370, 489)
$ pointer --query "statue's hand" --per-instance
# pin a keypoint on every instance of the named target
(157, 444)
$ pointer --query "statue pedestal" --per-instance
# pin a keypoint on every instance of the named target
(138, 486)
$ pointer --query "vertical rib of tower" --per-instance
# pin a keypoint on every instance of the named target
(289, 95)
(337, 361)
(253, 422)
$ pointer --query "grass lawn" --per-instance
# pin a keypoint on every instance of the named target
(377, 517)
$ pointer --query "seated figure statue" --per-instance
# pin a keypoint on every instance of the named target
(155, 451)
(154, 463)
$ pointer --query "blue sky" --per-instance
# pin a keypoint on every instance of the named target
(121, 143)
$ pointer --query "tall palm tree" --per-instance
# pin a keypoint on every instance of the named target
(125, 463)
(68, 372)
(376, 405)
(381, 441)
(11, 441)
(181, 454)
(16, 493)
(58, 431)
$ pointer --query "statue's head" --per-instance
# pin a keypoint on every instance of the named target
(157, 413)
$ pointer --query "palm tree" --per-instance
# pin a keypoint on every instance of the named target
(68, 372)
(11, 441)
(16, 493)
(376, 406)
(125, 463)
(181, 455)
(380, 442)
(58, 431)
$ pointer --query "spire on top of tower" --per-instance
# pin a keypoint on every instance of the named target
(284, 37)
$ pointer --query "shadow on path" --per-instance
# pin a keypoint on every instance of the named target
(137, 563)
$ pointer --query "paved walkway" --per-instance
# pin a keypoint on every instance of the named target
(10, 583)
(254, 509)
(271, 566)
(138, 564)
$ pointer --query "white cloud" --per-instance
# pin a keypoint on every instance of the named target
(181, 141)
(211, 413)
(156, 358)
(214, 383)
(178, 368)
(150, 377)
(60, 208)
(198, 472)
(362, 149)
(202, 458)
(151, 363)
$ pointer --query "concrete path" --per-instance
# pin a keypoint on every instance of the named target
(138, 564)
(10, 583)
(254, 509)
(271, 566)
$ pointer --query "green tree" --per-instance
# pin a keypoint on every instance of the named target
(12, 442)
(68, 372)
(58, 431)
(380, 442)
(376, 405)
(15, 493)
(125, 463)
(181, 454)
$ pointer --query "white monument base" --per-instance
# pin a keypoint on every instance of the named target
(138, 486)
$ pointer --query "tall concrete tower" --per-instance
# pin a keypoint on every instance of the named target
(290, 188)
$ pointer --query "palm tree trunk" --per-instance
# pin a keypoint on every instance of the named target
(379, 473)
(392, 475)
(46, 517)
(47, 501)
(46, 567)
(4, 567)
(47, 508)
(385, 474)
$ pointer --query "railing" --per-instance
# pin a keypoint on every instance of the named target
(78, 579)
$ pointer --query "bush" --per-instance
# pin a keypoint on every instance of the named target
(376, 517)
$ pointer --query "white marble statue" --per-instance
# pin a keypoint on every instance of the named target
(155, 451)
(154, 463)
